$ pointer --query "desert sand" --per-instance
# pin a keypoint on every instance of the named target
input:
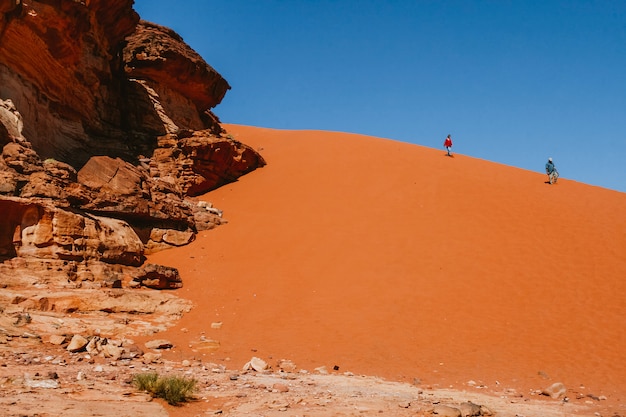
(388, 259)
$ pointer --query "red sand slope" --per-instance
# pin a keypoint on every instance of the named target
(391, 259)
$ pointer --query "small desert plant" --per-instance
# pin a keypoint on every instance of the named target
(145, 382)
(172, 389)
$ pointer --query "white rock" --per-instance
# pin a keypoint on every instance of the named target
(322, 370)
(256, 364)
(43, 383)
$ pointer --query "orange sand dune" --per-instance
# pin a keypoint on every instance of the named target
(391, 259)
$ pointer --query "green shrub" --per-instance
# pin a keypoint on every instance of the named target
(146, 382)
(172, 389)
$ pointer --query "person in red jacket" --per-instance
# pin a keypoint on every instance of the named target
(448, 144)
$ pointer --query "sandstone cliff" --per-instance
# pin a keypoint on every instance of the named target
(106, 134)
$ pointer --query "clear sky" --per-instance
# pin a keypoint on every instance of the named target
(513, 81)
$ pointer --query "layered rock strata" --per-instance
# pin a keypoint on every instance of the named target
(106, 135)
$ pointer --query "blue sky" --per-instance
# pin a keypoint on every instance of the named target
(514, 82)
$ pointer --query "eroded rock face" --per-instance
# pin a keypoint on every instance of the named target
(203, 163)
(60, 64)
(40, 230)
(106, 134)
(169, 67)
(89, 79)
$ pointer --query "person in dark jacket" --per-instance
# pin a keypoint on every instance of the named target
(553, 174)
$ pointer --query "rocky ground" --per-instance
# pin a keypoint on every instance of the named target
(92, 376)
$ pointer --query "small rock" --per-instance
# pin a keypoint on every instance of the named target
(151, 357)
(486, 411)
(279, 387)
(469, 409)
(555, 390)
(159, 344)
(286, 365)
(111, 351)
(446, 411)
(56, 339)
(131, 351)
(256, 364)
(77, 343)
(94, 345)
(43, 383)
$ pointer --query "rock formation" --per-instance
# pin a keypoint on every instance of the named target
(106, 134)
(162, 63)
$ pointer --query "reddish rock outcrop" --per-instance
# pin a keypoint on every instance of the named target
(89, 79)
(59, 64)
(106, 132)
(202, 163)
(169, 67)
